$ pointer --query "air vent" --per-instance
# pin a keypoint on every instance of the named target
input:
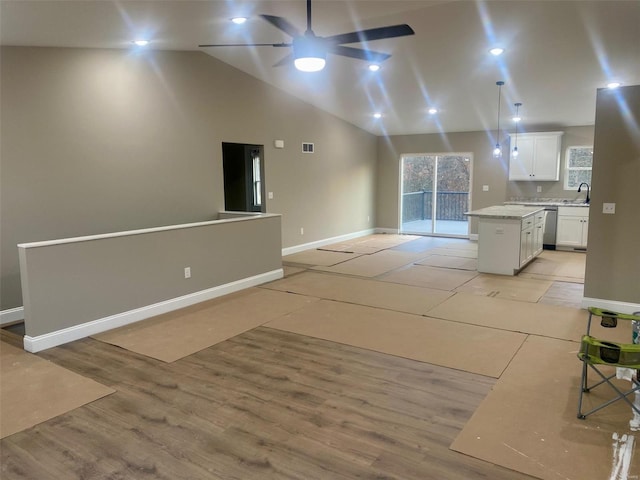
(307, 147)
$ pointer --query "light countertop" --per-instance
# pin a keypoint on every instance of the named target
(552, 203)
(510, 212)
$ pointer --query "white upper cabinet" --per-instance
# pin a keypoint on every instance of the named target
(538, 157)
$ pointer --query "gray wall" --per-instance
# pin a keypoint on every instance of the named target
(486, 169)
(98, 141)
(70, 284)
(613, 256)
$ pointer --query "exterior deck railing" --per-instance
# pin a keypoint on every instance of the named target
(449, 206)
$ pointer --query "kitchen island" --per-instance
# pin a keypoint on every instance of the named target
(509, 237)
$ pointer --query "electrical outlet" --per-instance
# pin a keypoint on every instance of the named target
(187, 272)
(368, 218)
(485, 188)
(301, 230)
(270, 195)
(539, 189)
(609, 208)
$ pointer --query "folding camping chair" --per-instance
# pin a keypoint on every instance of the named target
(595, 353)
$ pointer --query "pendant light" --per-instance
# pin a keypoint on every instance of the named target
(497, 152)
(514, 152)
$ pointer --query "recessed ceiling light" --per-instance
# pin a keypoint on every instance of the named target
(496, 51)
(374, 67)
(377, 115)
(141, 43)
(239, 20)
(613, 85)
(433, 111)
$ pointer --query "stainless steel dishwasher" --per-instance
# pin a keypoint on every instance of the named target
(550, 225)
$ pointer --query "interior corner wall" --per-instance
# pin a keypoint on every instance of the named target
(97, 141)
(613, 255)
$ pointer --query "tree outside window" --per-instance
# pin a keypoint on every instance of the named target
(578, 163)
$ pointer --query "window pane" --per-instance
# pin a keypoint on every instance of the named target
(576, 177)
(580, 157)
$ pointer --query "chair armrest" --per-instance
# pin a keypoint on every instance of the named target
(608, 313)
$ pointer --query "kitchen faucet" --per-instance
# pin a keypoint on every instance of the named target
(579, 189)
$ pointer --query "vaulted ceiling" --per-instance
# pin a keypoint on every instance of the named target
(557, 53)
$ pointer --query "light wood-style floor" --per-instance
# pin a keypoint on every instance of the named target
(266, 404)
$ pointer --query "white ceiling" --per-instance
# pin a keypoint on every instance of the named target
(557, 52)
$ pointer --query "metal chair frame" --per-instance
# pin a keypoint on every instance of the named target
(590, 354)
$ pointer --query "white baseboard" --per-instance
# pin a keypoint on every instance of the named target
(326, 241)
(66, 335)
(11, 315)
(619, 307)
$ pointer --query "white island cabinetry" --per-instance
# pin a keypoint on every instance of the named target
(509, 237)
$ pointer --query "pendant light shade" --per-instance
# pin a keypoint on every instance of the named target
(514, 152)
(497, 151)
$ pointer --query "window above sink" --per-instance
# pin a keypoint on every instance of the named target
(578, 163)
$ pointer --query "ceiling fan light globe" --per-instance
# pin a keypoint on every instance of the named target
(309, 64)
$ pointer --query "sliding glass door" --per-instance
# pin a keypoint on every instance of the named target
(434, 194)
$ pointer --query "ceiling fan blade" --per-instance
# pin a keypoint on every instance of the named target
(284, 60)
(371, 34)
(247, 45)
(282, 24)
(367, 55)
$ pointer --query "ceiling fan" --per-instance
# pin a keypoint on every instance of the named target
(310, 51)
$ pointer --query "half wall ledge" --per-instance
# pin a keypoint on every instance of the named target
(76, 287)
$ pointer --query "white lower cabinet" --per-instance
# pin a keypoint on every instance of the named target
(573, 227)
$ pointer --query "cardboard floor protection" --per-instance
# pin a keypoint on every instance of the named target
(468, 245)
(528, 421)
(558, 264)
(369, 244)
(470, 348)
(33, 390)
(554, 321)
(362, 291)
(288, 271)
(569, 294)
(455, 252)
(429, 277)
(449, 261)
(177, 334)
(375, 264)
(319, 257)
(505, 286)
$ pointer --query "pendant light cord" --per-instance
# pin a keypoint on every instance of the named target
(500, 84)
(497, 152)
